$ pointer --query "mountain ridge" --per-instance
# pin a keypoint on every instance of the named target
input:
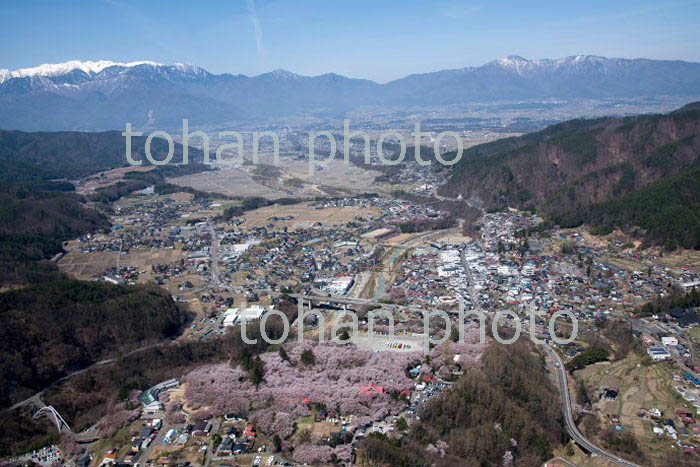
(94, 67)
(103, 95)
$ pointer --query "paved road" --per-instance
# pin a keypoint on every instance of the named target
(214, 254)
(35, 397)
(349, 301)
(571, 427)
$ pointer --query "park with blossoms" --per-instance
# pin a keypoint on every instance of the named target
(276, 389)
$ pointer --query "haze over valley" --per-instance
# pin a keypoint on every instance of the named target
(485, 265)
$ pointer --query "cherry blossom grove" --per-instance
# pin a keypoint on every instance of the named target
(334, 380)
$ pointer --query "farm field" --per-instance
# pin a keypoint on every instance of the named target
(640, 386)
(290, 180)
(336, 174)
(228, 181)
(84, 266)
(81, 265)
(106, 178)
(303, 216)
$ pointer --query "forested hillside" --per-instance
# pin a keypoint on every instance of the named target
(73, 154)
(500, 413)
(49, 325)
(619, 172)
(50, 329)
(33, 225)
(667, 211)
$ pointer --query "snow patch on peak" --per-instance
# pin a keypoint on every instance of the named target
(582, 59)
(188, 68)
(522, 65)
(512, 59)
(56, 69)
(515, 62)
(280, 74)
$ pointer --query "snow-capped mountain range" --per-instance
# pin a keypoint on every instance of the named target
(94, 95)
(56, 69)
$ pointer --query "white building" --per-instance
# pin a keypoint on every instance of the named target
(669, 340)
(231, 316)
(340, 285)
(690, 285)
(658, 353)
(234, 315)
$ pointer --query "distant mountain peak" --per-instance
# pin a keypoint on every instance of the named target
(104, 94)
(56, 69)
(513, 58)
(280, 74)
(514, 62)
(520, 64)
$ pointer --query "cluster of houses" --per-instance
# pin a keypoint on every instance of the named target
(290, 257)
(681, 427)
(236, 441)
(153, 224)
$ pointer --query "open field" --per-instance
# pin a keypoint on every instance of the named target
(292, 179)
(379, 343)
(229, 181)
(682, 259)
(80, 265)
(400, 238)
(106, 178)
(83, 265)
(303, 216)
(336, 174)
(454, 238)
(136, 199)
(628, 264)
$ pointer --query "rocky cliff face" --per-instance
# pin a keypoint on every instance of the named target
(578, 163)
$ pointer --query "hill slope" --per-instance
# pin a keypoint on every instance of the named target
(592, 170)
(50, 329)
(33, 225)
(72, 154)
(667, 211)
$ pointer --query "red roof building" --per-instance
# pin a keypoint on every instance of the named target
(372, 390)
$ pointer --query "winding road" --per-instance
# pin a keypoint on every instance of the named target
(571, 427)
(36, 397)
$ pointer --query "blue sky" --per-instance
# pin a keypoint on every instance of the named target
(379, 40)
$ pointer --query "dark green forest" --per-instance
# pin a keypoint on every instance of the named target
(667, 211)
(34, 223)
(73, 154)
(640, 174)
(508, 397)
(49, 329)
